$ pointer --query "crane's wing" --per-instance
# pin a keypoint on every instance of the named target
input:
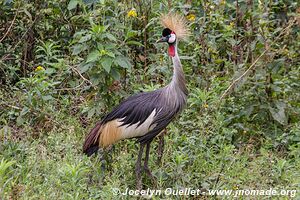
(143, 115)
(135, 109)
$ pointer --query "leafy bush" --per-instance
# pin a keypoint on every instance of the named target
(70, 62)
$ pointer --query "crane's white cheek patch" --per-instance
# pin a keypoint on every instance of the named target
(172, 38)
(134, 130)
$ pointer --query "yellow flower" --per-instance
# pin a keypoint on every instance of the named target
(191, 17)
(231, 24)
(205, 105)
(39, 68)
(161, 58)
(236, 187)
(103, 52)
(132, 13)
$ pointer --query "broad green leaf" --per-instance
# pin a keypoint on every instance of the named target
(91, 112)
(99, 28)
(134, 43)
(4, 165)
(24, 111)
(7, 2)
(72, 4)
(115, 74)
(50, 71)
(47, 97)
(131, 33)
(123, 62)
(77, 49)
(28, 14)
(93, 56)
(79, 34)
(20, 120)
(85, 38)
(111, 37)
(106, 63)
(111, 54)
(86, 67)
(278, 113)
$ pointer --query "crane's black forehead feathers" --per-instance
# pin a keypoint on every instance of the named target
(166, 32)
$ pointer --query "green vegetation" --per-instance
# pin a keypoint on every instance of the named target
(64, 64)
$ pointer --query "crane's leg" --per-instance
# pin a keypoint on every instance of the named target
(161, 144)
(146, 168)
(106, 157)
(138, 170)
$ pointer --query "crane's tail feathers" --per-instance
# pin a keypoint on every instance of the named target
(102, 135)
(91, 144)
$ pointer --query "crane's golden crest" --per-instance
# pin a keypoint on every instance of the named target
(177, 24)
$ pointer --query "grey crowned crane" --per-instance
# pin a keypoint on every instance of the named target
(145, 115)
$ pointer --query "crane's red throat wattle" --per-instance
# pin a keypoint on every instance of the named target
(172, 50)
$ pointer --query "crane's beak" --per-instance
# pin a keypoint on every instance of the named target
(163, 39)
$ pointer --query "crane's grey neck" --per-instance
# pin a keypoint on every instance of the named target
(175, 93)
(178, 80)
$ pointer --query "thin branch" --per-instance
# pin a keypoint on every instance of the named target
(47, 115)
(81, 76)
(170, 4)
(11, 106)
(252, 66)
(78, 86)
(5, 56)
(219, 175)
(9, 28)
(74, 88)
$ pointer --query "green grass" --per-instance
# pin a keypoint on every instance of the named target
(50, 165)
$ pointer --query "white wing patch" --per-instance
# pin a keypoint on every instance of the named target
(134, 130)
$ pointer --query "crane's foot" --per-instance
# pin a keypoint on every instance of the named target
(105, 156)
(138, 169)
(138, 174)
(148, 172)
(146, 168)
(161, 145)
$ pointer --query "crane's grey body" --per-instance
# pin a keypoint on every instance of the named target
(166, 102)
